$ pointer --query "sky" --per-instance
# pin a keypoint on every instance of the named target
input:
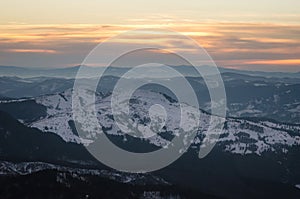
(251, 35)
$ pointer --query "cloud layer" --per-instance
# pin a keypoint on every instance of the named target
(254, 46)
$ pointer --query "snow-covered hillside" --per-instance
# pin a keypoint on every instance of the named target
(238, 136)
(25, 168)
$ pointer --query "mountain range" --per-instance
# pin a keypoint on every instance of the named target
(255, 156)
(247, 96)
(70, 72)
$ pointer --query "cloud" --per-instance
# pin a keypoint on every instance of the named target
(243, 45)
(32, 51)
(276, 62)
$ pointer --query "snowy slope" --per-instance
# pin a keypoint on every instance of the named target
(25, 168)
(239, 135)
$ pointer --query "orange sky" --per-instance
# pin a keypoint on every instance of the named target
(255, 39)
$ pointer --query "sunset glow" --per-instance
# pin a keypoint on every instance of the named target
(243, 40)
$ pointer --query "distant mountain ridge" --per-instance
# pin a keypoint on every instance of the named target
(247, 96)
(70, 72)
